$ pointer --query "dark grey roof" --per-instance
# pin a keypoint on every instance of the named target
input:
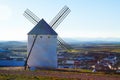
(42, 28)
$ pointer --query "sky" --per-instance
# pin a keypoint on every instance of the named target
(87, 19)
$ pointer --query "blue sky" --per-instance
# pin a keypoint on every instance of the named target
(88, 18)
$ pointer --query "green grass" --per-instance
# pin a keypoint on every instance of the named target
(24, 77)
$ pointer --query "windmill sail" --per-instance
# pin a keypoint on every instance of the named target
(67, 46)
(31, 16)
(59, 17)
(62, 45)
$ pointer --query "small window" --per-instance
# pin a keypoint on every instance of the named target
(40, 36)
(33, 36)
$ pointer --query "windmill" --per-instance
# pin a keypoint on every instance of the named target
(54, 24)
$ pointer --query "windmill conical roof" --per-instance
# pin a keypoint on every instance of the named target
(42, 28)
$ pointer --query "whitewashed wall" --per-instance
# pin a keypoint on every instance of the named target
(44, 52)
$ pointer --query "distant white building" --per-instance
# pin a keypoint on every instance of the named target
(44, 51)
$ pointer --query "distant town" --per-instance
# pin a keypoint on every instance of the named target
(95, 56)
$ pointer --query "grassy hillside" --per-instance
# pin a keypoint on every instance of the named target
(60, 74)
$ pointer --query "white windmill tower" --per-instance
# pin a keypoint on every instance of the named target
(42, 51)
(43, 40)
